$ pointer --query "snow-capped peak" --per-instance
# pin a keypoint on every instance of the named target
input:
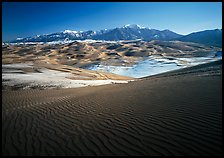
(19, 38)
(70, 31)
(130, 26)
(133, 26)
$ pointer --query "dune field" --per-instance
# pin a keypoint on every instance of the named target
(174, 113)
(80, 64)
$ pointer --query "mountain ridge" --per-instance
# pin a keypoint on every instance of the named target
(129, 32)
(207, 37)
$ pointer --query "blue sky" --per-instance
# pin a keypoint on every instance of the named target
(23, 19)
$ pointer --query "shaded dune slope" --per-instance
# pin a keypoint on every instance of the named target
(164, 115)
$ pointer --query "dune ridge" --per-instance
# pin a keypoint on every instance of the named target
(171, 114)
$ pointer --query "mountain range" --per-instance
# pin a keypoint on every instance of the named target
(129, 32)
(207, 37)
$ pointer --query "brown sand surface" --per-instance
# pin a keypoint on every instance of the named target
(82, 54)
(164, 115)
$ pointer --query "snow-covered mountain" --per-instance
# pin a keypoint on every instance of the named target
(132, 32)
(127, 32)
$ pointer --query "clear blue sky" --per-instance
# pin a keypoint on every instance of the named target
(23, 19)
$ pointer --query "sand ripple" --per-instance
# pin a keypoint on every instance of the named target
(160, 116)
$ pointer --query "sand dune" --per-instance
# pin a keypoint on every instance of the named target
(82, 54)
(176, 114)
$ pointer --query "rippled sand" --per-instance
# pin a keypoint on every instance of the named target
(176, 113)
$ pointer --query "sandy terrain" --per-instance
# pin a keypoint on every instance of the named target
(28, 75)
(178, 113)
(83, 54)
(69, 65)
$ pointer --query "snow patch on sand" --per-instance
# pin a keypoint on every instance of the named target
(153, 65)
(47, 78)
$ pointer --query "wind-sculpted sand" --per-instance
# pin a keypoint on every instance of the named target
(169, 115)
(83, 54)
